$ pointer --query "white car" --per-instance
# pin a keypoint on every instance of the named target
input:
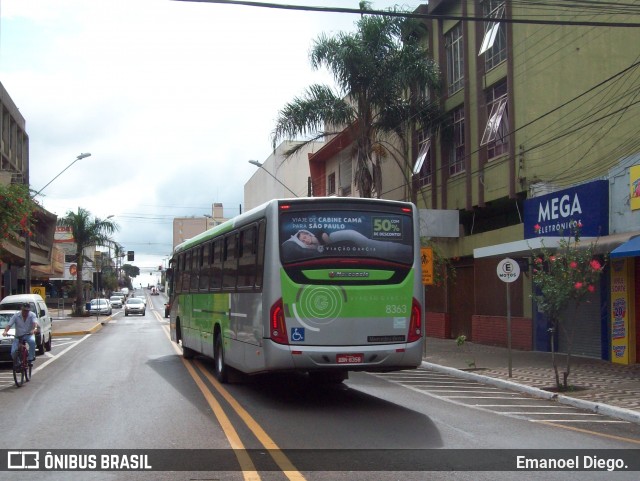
(134, 305)
(100, 306)
(116, 301)
(39, 307)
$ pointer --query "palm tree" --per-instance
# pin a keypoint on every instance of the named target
(382, 75)
(86, 232)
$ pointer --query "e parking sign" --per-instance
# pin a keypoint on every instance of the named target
(508, 270)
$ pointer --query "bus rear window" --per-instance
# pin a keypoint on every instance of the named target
(338, 233)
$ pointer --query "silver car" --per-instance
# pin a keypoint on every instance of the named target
(134, 305)
(116, 302)
(100, 306)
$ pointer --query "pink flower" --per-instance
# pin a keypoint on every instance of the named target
(595, 265)
(579, 224)
(538, 260)
(573, 264)
(536, 228)
(552, 258)
(578, 285)
(591, 288)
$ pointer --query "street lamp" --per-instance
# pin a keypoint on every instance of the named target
(260, 165)
(81, 156)
(27, 242)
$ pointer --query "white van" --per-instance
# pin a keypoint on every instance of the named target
(38, 306)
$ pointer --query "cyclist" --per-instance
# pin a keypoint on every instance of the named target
(26, 324)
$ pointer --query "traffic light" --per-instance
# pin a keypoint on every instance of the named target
(130, 255)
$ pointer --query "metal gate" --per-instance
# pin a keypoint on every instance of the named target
(587, 327)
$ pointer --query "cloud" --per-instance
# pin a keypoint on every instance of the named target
(171, 98)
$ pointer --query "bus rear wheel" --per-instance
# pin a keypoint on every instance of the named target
(221, 370)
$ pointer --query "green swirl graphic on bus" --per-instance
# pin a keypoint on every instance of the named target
(319, 305)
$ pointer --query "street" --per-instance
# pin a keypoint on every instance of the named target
(127, 387)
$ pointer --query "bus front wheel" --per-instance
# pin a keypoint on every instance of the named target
(221, 371)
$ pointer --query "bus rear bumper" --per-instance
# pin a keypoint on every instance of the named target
(351, 358)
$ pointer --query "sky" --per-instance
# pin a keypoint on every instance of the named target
(171, 99)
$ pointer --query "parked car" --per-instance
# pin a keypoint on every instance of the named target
(6, 342)
(100, 306)
(43, 336)
(116, 302)
(134, 305)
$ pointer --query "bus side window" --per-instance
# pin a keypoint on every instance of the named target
(247, 258)
(195, 268)
(215, 282)
(186, 275)
(205, 267)
(230, 262)
(260, 248)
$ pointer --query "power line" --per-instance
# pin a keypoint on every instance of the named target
(422, 16)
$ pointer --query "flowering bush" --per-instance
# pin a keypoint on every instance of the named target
(16, 211)
(567, 275)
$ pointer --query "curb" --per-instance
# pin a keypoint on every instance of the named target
(92, 330)
(599, 408)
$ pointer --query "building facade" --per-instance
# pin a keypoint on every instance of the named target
(533, 110)
(14, 169)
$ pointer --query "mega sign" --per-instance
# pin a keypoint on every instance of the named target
(557, 214)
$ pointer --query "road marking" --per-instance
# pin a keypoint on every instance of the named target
(586, 431)
(246, 464)
(285, 465)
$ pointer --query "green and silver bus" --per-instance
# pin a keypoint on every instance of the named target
(316, 285)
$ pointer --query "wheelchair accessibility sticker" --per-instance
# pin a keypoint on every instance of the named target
(297, 334)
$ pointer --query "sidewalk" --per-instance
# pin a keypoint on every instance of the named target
(599, 386)
(65, 325)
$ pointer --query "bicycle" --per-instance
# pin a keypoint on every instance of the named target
(21, 365)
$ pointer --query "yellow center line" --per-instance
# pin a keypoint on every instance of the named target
(246, 464)
(278, 456)
(586, 431)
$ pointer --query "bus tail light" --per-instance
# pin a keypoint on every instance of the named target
(277, 325)
(415, 325)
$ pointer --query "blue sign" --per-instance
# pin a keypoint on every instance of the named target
(559, 213)
(297, 334)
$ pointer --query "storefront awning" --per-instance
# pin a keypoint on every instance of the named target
(604, 245)
(521, 248)
(631, 248)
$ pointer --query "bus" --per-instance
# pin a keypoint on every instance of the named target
(317, 285)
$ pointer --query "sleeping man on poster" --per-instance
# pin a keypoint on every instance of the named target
(383, 236)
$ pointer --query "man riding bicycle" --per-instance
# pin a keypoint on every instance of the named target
(26, 325)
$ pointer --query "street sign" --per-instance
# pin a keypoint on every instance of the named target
(39, 290)
(508, 270)
(426, 256)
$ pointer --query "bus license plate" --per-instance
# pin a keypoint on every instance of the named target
(349, 358)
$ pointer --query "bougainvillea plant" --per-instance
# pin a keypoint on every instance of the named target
(562, 276)
(16, 212)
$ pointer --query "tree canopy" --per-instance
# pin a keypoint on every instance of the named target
(87, 232)
(382, 73)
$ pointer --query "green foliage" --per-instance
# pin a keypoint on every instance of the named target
(131, 271)
(567, 275)
(87, 232)
(16, 211)
(374, 68)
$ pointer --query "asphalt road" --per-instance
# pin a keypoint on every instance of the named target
(127, 387)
